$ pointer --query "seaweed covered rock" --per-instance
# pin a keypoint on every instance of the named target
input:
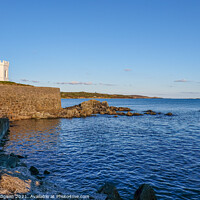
(110, 190)
(9, 161)
(145, 192)
(34, 170)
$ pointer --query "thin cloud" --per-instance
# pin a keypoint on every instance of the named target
(128, 70)
(190, 93)
(75, 83)
(181, 81)
(35, 81)
(30, 81)
(24, 80)
(107, 84)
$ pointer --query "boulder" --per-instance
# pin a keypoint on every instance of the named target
(121, 113)
(12, 161)
(105, 103)
(137, 114)
(91, 107)
(122, 109)
(34, 170)
(145, 192)
(9, 161)
(150, 112)
(46, 172)
(129, 113)
(110, 190)
(12, 184)
(169, 114)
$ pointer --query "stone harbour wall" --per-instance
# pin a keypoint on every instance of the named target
(25, 102)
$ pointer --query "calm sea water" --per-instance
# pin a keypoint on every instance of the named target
(82, 154)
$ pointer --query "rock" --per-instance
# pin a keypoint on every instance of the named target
(122, 109)
(150, 112)
(89, 108)
(12, 161)
(111, 112)
(121, 113)
(40, 177)
(110, 190)
(145, 192)
(19, 156)
(23, 164)
(10, 184)
(46, 172)
(137, 114)
(115, 116)
(9, 161)
(105, 103)
(34, 170)
(169, 114)
(129, 113)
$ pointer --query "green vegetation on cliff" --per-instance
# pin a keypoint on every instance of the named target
(12, 83)
(87, 95)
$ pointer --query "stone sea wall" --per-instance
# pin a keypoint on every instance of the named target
(25, 102)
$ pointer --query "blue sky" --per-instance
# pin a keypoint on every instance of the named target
(110, 46)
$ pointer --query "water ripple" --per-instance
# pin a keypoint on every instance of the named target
(84, 153)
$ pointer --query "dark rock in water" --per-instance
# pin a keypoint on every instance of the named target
(46, 172)
(121, 113)
(110, 190)
(150, 112)
(145, 192)
(121, 109)
(9, 161)
(129, 114)
(23, 165)
(34, 170)
(169, 114)
(89, 108)
(19, 156)
(12, 161)
(137, 114)
(40, 177)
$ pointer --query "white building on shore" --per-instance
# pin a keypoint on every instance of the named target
(4, 65)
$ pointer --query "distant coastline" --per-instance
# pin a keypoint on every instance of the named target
(88, 95)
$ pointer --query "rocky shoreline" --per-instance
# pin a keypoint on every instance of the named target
(19, 181)
(86, 109)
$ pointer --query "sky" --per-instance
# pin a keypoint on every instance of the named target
(143, 47)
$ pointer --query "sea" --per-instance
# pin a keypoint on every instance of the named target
(82, 154)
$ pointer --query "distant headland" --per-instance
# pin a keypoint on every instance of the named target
(88, 95)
